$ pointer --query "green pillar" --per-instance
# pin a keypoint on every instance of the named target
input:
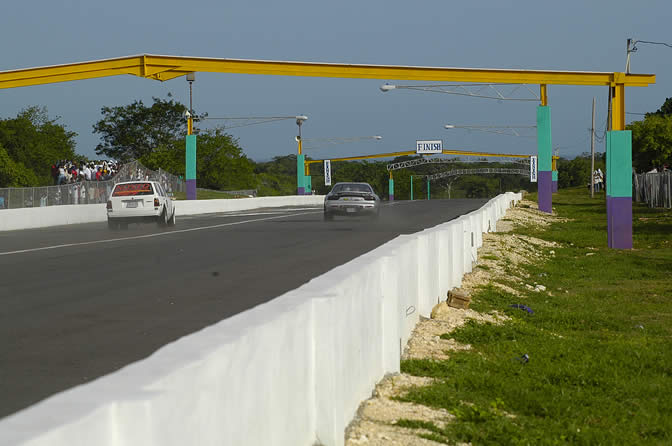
(428, 195)
(308, 185)
(190, 167)
(545, 160)
(411, 187)
(555, 180)
(619, 189)
(391, 189)
(300, 175)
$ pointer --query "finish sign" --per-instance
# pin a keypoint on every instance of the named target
(327, 172)
(533, 169)
(428, 147)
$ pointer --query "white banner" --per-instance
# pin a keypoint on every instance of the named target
(425, 147)
(327, 172)
(533, 169)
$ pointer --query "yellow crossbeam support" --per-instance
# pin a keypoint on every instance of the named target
(168, 67)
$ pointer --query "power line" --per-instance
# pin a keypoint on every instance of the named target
(652, 43)
(632, 47)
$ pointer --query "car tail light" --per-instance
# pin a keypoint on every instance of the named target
(332, 197)
(369, 198)
(109, 205)
(156, 202)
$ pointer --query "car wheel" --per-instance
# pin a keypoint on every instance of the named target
(112, 225)
(171, 222)
(162, 220)
(328, 216)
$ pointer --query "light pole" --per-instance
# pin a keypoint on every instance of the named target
(300, 160)
(304, 185)
(190, 166)
(509, 130)
(512, 92)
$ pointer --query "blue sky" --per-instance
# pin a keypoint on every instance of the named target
(568, 35)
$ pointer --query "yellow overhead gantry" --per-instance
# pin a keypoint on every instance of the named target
(164, 68)
(619, 143)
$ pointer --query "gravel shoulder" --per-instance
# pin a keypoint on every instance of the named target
(499, 264)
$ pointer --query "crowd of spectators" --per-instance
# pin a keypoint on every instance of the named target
(88, 182)
(65, 171)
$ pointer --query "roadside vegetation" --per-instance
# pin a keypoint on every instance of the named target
(591, 365)
(32, 142)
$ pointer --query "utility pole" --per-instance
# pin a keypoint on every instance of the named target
(592, 154)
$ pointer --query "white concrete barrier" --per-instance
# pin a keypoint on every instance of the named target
(292, 371)
(27, 218)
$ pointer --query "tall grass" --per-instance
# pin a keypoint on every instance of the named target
(599, 344)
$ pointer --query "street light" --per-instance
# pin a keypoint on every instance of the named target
(299, 122)
(484, 91)
(318, 143)
(509, 130)
(191, 77)
(190, 144)
(303, 178)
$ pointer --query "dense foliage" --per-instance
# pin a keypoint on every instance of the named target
(29, 144)
(651, 142)
(652, 139)
(132, 131)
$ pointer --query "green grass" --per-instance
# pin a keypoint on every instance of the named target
(208, 195)
(599, 347)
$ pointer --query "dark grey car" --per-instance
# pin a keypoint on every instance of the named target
(351, 199)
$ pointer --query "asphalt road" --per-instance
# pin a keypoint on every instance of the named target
(81, 301)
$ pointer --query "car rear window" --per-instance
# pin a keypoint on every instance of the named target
(339, 188)
(132, 189)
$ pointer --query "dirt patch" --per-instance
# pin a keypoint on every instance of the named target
(499, 264)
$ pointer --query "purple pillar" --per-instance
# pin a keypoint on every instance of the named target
(301, 191)
(555, 186)
(619, 218)
(545, 188)
(191, 189)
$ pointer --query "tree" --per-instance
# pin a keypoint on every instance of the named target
(220, 162)
(651, 141)
(13, 174)
(132, 131)
(33, 142)
(664, 110)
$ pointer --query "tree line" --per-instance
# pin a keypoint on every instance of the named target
(154, 134)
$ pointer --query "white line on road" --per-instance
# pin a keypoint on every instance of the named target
(136, 237)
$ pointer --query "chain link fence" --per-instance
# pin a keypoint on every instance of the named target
(654, 189)
(85, 192)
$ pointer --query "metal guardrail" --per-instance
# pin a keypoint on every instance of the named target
(654, 189)
(85, 192)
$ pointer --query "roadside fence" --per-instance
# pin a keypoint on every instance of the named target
(85, 192)
(654, 189)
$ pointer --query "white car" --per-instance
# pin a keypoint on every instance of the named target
(139, 201)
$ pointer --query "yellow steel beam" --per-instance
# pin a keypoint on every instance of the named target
(409, 152)
(168, 67)
(363, 157)
(618, 107)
